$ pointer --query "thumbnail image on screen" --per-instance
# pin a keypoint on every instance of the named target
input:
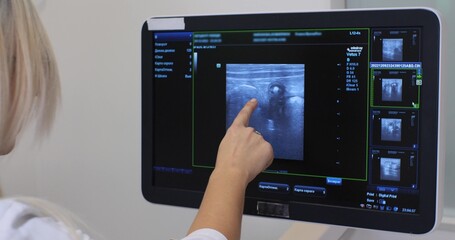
(394, 167)
(279, 89)
(395, 88)
(392, 49)
(392, 45)
(392, 90)
(391, 129)
(390, 169)
(394, 128)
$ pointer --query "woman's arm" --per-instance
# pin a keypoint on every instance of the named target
(242, 155)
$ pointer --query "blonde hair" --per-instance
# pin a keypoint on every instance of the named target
(29, 80)
(29, 89)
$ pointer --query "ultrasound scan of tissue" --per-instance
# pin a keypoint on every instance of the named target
(279, 89)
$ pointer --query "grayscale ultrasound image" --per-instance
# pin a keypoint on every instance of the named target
(390, 169)
(391, 129)
(279, 89)
(392, 49)
(392, 89)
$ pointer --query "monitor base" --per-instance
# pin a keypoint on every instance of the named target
(313, 231)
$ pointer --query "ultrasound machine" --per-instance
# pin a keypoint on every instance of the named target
(351, 102)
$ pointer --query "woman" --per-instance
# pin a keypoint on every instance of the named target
(30, 89)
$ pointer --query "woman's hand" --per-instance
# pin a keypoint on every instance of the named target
(243, 150)
(242, 155)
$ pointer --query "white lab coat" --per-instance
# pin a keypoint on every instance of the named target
(19, 221)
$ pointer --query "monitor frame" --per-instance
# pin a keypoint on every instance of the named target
(430, 199)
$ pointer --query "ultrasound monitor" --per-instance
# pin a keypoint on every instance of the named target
(349, 100)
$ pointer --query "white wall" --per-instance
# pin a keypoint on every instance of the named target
(91, 162)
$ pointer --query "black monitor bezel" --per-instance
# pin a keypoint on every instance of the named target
(361, 218)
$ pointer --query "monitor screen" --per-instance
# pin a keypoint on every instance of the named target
(349, 101)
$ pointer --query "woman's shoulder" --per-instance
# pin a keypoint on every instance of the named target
(12, 210)
(19, 221)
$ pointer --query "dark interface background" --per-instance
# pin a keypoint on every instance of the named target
(339, 106)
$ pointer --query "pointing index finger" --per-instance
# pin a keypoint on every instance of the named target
(244, 115)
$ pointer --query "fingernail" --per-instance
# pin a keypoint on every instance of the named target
(253, 100)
